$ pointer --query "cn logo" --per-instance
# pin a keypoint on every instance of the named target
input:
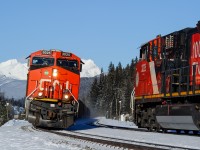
(196, 49)
(55, 82)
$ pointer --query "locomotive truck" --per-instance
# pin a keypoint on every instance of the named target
(52, 91)
(166, 91)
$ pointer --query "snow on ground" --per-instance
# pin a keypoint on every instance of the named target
(19, 135)
(190, 142)
(110, 122)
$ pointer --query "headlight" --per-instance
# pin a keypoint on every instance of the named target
(55, 72)
(66, 96)
(40, 94)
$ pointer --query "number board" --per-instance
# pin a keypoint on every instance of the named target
(45, 52)
(65, 54)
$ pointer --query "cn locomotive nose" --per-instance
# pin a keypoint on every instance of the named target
(53, 88)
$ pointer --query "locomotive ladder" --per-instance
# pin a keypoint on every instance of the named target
(180, 80)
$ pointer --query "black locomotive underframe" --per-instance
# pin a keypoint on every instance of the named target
(49, 114)
(180, 113)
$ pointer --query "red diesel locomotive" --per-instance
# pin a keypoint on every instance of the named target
(52, 91)
(167, 82)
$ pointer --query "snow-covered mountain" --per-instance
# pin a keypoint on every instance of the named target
(16, 70)
(13, 75)
(90, 69)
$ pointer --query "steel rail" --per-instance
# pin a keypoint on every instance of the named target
(115, 142)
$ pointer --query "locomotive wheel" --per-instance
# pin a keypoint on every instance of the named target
(164, 130)
(152, 128)
(158, 128)
(151, 124)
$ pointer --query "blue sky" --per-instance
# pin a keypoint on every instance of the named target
(101, 30)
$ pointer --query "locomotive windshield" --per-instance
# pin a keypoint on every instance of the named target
(71, 65)
(40, 62)
(43, 61)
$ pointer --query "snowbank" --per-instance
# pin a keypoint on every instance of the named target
(15, 123)
(116, 123)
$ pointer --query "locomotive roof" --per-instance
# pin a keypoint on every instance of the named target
(53, 50)
(185, 30)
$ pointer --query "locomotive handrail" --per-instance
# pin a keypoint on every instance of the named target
(173, 69)
(33, 90)
(30, 100)
(75, 101)
(132, 103)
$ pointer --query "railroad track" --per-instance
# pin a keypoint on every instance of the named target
(141, 129)
(118, 127)
(105, 140)
(110, 141)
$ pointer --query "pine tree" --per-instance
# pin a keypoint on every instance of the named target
(100, 98)
(94, 93)
(110, 94)
(3, 112)
(111, 89)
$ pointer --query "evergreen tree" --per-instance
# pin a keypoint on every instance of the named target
(111, 89)
(110, 94)
(94, 93)
(3, 112)
(100, 97)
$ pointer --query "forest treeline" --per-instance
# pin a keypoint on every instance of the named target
(6, 107)
(110, 92)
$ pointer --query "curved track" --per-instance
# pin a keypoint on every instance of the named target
(104, 140)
